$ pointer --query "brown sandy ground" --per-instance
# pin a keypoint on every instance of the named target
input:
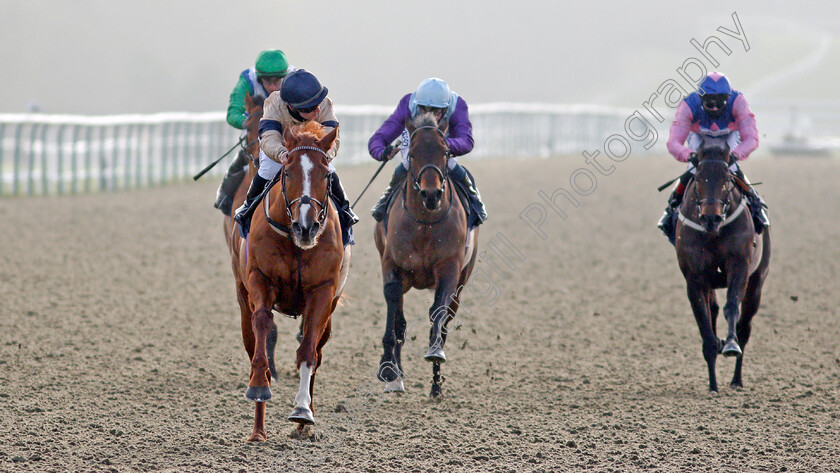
(120, 347)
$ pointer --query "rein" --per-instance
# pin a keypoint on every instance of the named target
(725, 203)
(304, 199)
(444, 175)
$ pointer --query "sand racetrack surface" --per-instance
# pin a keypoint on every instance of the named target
(120, 347)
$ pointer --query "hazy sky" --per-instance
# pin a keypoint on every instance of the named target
(106, 57)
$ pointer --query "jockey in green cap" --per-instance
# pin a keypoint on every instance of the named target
(260, 80)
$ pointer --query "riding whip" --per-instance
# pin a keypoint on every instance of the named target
(210, 166)
(396, 150)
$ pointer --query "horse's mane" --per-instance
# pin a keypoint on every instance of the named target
(424, 119)
(714, 148)
(310, 128)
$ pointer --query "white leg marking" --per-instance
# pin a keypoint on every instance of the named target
(302, 399)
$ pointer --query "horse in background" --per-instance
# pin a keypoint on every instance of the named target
(423, 243)
(293, 262)
(254, 108)
(717, 247)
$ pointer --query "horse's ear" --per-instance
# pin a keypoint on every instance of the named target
(443, 125)
(326, 142)
(409, 125)
(249, 102)
(289, 138)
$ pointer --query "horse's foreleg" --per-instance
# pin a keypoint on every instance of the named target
(389, 371)
(316, 326)
(262, 323)
(698, 297)
(736, 286)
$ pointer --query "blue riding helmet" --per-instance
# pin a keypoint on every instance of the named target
(433, 92)
(302, 90)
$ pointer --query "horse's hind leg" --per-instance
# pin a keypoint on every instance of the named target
(714, 310)
(749, 308)
(440, 314)
(736, 285)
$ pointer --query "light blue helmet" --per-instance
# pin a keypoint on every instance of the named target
(433, 92)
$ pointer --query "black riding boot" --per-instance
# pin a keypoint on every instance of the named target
(243, 213)
(346, 216)
(668, 222)
(756, 203)
(478, 213)
(378, 210)
(233, 177)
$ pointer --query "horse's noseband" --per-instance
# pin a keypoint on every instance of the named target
(305, 199)
(443, 174)
(725, 202)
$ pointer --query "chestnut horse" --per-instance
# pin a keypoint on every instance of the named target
(293, 261)
(254, 107)
(426, 245)
(717, 247)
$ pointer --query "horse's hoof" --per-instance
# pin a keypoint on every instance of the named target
(435, 354)
(731, 349)
(436, 393)
(258, 393)
(388, 372)
(395, 386)
(257, 437)
(302, 415)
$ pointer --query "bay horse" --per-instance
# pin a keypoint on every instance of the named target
(717, 247)
(294, 262)
(424, 243)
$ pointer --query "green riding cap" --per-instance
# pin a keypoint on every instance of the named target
(272, 63)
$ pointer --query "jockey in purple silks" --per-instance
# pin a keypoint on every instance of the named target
(715, 110)
(432, 95)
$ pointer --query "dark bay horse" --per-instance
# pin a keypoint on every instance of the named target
(293, 262)
(717, 247)
(426, 246)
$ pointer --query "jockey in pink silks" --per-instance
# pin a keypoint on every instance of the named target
(718, 111)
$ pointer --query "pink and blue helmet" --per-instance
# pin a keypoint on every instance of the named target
(715, 83)
(714, 93)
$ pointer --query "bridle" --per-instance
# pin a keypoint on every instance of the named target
(444, 175)
(302, 200)
(246, 145)
(725, 201)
